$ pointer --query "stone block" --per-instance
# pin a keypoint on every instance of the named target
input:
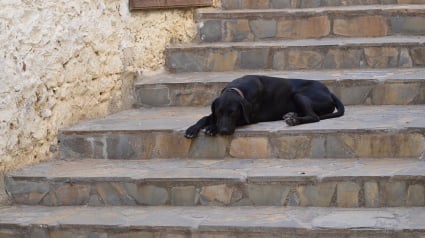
(343, 59)
(222, 61)
(250, 147)
(184, 61)
(171, 146)
(114, 194)
(254, 58)
(154, 96)
(280, 4)
(152, 195)
(316, 195)
(72, 194)
(408, 25)
(27, 192)
(216, 194)
(231, 4)
(411, 1)
(310, 3)
(255, 4)
(183, 196)
(210, 31)
(396, 94)
(263, 28)
(267, 194)
(405, 60)
(61, 233)
(418, 56)
(134, 234)
(77, 147)
(363, 26)
(307, 27)
(209, 147)
(393, 193)
(238, 30)
(348, 194)
(371, 193)
(375, 145)
(292, 147)
(279, 60)
(356, 94)
(379, 57)
(304, 59)
(415, 195)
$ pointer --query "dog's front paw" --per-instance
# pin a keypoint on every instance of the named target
(211, 130)
(191, 132)
(291, 119)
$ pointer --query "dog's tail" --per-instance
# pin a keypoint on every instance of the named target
(340, 109)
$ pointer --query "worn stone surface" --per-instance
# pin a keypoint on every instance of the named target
(365, 26)
(348, 194)
(184, 196)
(316, 195)
(364, 131)
(371, 193)
(308, 54)
(251, 147)
(311, 27)
(232, 182)
(242, 221)
(415, 195)
(353, 87)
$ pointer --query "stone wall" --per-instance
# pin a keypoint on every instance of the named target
(65, 61)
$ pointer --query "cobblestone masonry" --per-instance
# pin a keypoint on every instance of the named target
(368, 21)
(253, 182)
(398, 132)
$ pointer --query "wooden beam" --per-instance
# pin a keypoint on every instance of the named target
(158, 4)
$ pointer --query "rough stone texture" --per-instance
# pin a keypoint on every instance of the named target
(353, 87)
(231, 182)
(371, 191)
(348, 194)
(250, 148)
(64, 61)
(415, 195)
(364, 131)
(364, 26)
(129, 222)
(311, 27)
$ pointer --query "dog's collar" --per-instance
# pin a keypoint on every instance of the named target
(238, 91)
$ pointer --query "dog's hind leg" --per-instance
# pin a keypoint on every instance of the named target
(304, 114)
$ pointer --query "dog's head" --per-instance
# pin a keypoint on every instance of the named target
(230, 109)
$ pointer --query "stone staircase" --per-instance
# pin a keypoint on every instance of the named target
(133, 174)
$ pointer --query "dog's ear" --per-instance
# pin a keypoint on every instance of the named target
(246, 110)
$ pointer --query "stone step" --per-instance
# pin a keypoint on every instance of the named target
(364, 131)
(282, 4)
(215, 25)
(209, 222)
(353, 87)
(232, 182)
(325, 53)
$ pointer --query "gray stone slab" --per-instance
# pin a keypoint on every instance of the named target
(212, 219)
(356, 118)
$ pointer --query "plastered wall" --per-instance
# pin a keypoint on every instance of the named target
(64, 61)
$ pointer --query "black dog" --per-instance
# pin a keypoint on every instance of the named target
(251, 99)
